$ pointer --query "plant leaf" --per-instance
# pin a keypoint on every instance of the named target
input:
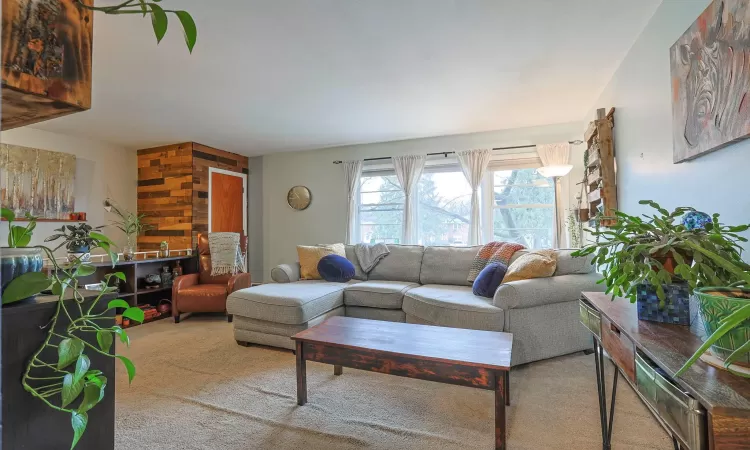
(85, 270)
(118, 303)
(134, 313)
(68, 351)
(730, 321)
(71, 389)
(82, 366)
(7, 214)
(92, 394)
(28, 284)
(104, 339)
(189, 29)
(129, 366)
(123, 335)
(119, 275)
(78, 421)
(159, 21)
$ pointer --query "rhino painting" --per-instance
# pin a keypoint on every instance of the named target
(710, 66)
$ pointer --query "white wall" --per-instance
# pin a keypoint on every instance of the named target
(325, 220)
(102, 170)
(641, 91)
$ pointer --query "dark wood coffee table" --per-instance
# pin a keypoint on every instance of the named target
(479, 359)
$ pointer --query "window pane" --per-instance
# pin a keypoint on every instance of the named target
(381, 206)
(531, 227)
(444, 209)
(524, 207)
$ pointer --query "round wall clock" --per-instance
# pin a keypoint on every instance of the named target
(299, 197)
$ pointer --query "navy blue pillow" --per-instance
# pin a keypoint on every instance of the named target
(489, 279)
(336, 268)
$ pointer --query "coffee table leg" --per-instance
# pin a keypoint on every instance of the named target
(500, 399)
(301, 376)
(507, 388)
(338, 370)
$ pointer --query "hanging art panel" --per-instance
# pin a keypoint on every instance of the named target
(37, 182)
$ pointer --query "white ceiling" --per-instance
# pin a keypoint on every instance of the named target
(275, 75)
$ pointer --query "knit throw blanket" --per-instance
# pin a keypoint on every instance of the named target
(226, 257)
(495, 251)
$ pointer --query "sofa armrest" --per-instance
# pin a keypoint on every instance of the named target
(285, 273)
(237, 282)
(545, 291)
(182, 282)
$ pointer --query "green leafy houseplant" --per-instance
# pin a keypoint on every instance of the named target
(78, 238)
(129, 223)
(69, 383)
(658, 248)
(159, 17)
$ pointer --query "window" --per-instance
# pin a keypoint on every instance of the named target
(381, 209)
(444, 209)
(523, 207)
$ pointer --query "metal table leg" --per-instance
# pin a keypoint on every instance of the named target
(602, 393)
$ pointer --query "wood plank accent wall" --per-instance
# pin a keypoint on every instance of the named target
(173, 191)
(205, 157)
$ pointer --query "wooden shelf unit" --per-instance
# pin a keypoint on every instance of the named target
(600, 177)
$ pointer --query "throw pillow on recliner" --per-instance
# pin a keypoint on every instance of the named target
(489, 279)
(336, 268)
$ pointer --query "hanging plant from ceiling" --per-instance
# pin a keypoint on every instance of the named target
(159, 17)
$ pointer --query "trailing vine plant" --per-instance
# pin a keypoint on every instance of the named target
(60, 372)
(159, 18)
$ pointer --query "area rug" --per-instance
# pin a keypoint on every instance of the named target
(196, 388)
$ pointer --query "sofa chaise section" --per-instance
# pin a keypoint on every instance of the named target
(270, 313)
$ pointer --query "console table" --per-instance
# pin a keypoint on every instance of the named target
(705, 408)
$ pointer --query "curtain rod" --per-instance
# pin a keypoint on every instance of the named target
(445, 154)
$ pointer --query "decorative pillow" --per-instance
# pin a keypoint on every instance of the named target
(489, 279)
(310, 255)
(335, 268)
(534, 264)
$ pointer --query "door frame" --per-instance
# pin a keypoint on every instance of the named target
(212, 170)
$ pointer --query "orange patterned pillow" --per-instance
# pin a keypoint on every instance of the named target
(534, 264)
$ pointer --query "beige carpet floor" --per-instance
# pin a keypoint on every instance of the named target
(195, 388)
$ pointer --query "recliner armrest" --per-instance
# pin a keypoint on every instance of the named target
(237, 282)
(285, 273)
(181, 282)
(545, 291)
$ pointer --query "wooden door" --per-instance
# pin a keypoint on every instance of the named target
(227, 201)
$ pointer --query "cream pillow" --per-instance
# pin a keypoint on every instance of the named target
(310, 255)
(534, 264)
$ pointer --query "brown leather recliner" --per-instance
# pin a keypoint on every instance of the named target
(201, 292)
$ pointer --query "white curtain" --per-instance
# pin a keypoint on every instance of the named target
(557, 156)
(408, 170)
(352, 175)
(474, 165)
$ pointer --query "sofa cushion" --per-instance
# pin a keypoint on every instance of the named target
(570, 265)
(309, 256)
(453, 306)
(447, 265)
(403, 263)
(388, 315)
(289, 303)
(377, 294)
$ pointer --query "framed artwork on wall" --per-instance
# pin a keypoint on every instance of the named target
(37, 182)
(710, 69)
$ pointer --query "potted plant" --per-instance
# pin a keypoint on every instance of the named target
(164, 249)
(655, 261)
(132, 225)
(59, 373)
(78, 240)
(17, 259)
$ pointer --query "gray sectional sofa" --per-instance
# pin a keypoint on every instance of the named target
(425, 285)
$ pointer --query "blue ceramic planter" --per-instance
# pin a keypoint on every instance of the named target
(15, 262)
(676, 308)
